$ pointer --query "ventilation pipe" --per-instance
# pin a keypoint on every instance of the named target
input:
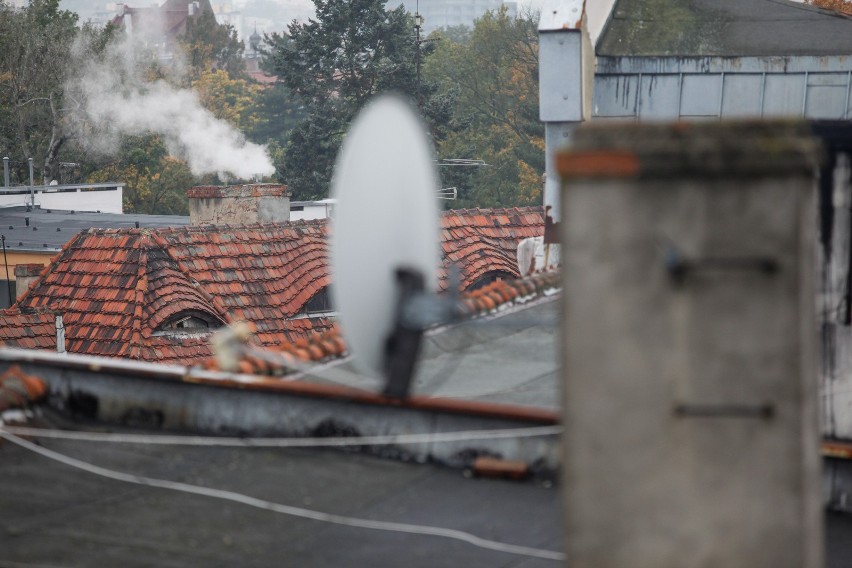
(32, 184)
(60, 335)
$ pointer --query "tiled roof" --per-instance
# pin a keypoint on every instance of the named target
(480, 241)
(35, 330)
(116, 287)
(319, 347)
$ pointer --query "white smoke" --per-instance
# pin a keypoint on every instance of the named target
(114, 98)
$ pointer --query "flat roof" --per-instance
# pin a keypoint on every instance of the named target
(50, 229)
(508, 358)
(697, 28)
(58, 515)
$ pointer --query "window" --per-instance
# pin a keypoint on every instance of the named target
(188, 322)
(319, 303)
(490, 277)
(7, 292)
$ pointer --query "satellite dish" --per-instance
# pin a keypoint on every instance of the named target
(385, 221)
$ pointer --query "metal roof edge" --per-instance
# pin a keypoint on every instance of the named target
(192, 375)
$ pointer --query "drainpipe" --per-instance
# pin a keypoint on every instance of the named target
(566, 64)
(60, 335)
(32, 185)
(6, 171)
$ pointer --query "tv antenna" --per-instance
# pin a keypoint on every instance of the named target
(384, 242)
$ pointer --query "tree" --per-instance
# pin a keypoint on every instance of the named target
(229, 99)
(155, 183)
(211, 46)
(278, 113)
(492, 77)
(35, 51)
(334, 64)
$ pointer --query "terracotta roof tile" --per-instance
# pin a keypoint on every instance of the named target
(318, 347)
(33, 330)
(116, 287)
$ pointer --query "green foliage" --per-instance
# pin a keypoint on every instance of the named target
(334, 64)
(155, 182)
(229, 99)
(35, 51)
(491, 77)
(278, 112)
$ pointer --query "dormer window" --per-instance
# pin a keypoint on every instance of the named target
(190, 322)
(320, 302)
(318, 305)
(490, 277)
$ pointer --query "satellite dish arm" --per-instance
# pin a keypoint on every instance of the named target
(416, 310)
(403, 344)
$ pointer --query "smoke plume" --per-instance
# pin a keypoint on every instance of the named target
(114, 98)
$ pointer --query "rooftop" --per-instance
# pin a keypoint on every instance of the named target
(728, 28)
(62, 516)
(36, 330)
(47, 230)
(152, 294)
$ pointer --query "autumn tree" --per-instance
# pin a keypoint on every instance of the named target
(234, 100)
(35, 57)
(491, 74)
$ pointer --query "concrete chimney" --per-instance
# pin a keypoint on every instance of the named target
(25, 274)
(690, 342)
(239, 204)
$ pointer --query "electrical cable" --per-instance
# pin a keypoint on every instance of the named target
(383, 440)
(286, 509)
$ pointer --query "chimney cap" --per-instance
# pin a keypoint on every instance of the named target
(28, 269)
(246, 190)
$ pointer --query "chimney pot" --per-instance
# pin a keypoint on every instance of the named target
(25, 274)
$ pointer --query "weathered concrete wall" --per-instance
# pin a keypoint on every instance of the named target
(236, 205)
(647, 88)
(691, 430)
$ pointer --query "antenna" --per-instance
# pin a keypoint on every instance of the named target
(384, 243)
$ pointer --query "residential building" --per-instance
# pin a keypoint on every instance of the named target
(155, 294)
(160, 26)
(34, 235)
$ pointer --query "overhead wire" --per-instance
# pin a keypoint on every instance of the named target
(383, 440)
(290, 510)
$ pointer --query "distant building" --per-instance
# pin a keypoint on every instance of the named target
(631, 60)
(160, 26)
(439, 14)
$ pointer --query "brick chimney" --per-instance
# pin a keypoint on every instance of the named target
(239, 204)
(25, 274)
